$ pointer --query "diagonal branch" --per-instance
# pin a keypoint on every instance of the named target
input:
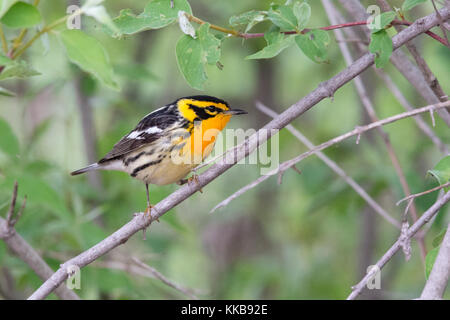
(335, 167)
(420, 61)
(324, 90)
(416, 195)
(401, 61)
(368, 105)
(156, 274)
(438, 279)
(425, 218)
(412, 73)
(426, 129)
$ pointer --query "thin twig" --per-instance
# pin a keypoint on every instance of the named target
(368, 105)
(12, 207)
(44, 30)
(155, 273)
(238, 34)
(441, 24)
(335, 167)
(25, 252)
(407, 106)
(413, 196)
(425, 218)
(423, 81)
(141, 221)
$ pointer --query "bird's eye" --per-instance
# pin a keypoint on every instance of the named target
(211, 109)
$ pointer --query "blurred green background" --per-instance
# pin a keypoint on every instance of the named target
(312, 237)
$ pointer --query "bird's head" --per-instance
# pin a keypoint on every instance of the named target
(200, 108)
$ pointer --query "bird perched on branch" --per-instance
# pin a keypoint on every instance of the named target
(169, 142)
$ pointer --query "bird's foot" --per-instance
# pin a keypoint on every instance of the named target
(182, 181)
(194, 179)
(190, 181)
(148, 211)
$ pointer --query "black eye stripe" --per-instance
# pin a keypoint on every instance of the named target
(212, 109)
(200, 112)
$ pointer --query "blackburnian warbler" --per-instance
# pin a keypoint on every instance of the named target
(169, 142)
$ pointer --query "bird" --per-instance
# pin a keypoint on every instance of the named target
(168, 143)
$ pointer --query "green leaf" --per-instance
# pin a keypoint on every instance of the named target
(302, 12)
(381, 46)
(385, 19)
(6, 92)
(189, 58)
(430, 259)
(194, 54)
(210, 44)
(17, 69)
(21, 15)
(438, 239)
(283, 17)
(5, 5)
(276, 42)
(409, 4)
(441, 171)
(98, 12)
(250, 19)
(157, 14)
(4, 60)
(89, 55)
(244, 18)
(314, 45)
(8, 141)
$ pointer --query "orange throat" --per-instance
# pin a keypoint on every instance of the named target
(204, 136)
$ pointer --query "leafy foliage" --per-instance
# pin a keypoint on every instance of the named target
(385, 19)
(430, 259)
(441, 171)
(276, 42)
(314, 45)
(157, 14)
(8, 141)
(249, 19)
(16, 69)
(21, 15)
(41, 141)
(88, 54)
(381, 46)
(194, 54)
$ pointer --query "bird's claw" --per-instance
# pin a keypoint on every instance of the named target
(194, 179)
(190, 181)
(148, 212)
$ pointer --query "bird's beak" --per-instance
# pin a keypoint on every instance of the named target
(233, 112)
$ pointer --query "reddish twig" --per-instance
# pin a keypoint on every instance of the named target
(345, 25)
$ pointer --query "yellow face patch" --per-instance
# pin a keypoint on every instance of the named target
(189, 114)
(204, 132)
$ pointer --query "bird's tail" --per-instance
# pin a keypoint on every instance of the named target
(91, 167)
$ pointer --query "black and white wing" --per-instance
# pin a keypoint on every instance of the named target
(148, 130)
